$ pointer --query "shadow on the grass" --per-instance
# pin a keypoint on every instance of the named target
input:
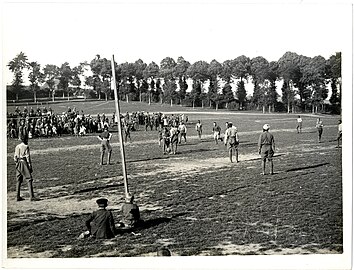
(146, 159)
(146, 224)
(248, 144)
(97, 188)
(307, 167)
(198, 151)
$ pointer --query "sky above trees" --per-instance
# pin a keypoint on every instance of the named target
(54, 33)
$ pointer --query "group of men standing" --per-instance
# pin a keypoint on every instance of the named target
(266, 144)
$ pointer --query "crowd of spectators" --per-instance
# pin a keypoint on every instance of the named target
(44, 122)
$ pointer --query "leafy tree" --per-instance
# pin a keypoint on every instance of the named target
(167, 71)
(272, 77)
(65, 77)
(228, 95)
(140, 66)
(16, 66)
(314, 78)
(127, 85)
(157, 94)
(96, 81)
(75, 80)
(334, 74)
(241, 93)
(288, 66)
(181, 73)
(259, 72)
(241, 70)
(196, 92)
(215, 70)
(226, 72)
(150, 73)
(199, 73)
(35, 77)
(51, 74)
(106, 77)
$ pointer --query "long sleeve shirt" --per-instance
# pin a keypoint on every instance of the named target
(22, 152)
(101, 224)
(266, 138)
(231, 132)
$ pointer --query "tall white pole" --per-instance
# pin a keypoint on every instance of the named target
(121, 144)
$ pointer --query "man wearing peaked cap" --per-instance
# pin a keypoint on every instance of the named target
(102, 202)
(266, 148)
(100, 224)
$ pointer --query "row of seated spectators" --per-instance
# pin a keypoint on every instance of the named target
(45, 123)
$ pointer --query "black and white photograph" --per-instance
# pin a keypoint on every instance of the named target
(215, 133)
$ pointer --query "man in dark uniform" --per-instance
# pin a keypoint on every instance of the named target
(105, 138)
(266, 148)
(100, 224)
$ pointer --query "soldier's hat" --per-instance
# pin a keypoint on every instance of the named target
(102, 202)
(266, 127)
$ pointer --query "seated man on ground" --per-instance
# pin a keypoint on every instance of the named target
(100, 224)
(130, 213)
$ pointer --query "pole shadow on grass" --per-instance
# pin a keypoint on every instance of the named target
(146, 224)
(146, 159)
(248, 144)
(198, 150)
(97, 188)
(259, 158)
(307, 167)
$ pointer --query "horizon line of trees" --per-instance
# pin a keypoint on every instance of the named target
(305, 81)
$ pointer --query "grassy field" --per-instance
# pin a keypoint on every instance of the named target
(195, 202)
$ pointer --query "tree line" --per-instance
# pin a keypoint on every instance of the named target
(304, 81)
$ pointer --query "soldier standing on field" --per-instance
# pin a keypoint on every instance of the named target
(174, 139)
(199, 129)
(105, 138)
(231, 137)
(299, 124)
(319, 126)
(23, 168)
(216, 132)
(266, 148)
(183, 132)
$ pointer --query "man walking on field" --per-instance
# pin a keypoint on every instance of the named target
(231, 137)
(266, 148)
